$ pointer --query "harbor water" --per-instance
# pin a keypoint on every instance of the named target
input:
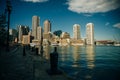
(88, 62)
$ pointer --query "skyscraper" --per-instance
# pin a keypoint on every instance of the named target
(47, 26)
(20, 33)
(25, 30)
(35, 24)
(76, 31)
(90, 34)
(12, 32)
(39, 33)
(47, 30)
(22, 30)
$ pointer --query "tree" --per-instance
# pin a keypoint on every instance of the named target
(57, 33)
(3, 21)
(3, 31)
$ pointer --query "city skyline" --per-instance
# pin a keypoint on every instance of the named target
(63, 14)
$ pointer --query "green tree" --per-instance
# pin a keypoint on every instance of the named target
(57, 33)
(3, 31)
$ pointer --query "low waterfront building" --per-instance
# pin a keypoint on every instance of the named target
(77, 42)
(26, 39)
(36, 42)
(64, 42)
(104, 42)
(65, 35)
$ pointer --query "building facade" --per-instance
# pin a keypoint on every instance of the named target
(47, 26)
(35, 24)
(22, 30)
(76, 31)
(26, 39)
(39, 33)
(20, 33)
(47, 30)
(90, 34)
(65, 35)
(12, 32)
(26, 30)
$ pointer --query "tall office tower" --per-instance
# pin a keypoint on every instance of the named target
(25, 30)
(47, 26)
(22, 30)
(35, 24)
(90, 34)
(47, 30)
(20, 33)
(76, 31)
(12, 32)
(39, 33)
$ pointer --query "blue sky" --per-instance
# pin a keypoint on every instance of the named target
(63, 14)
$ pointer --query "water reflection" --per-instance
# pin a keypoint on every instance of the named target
(80, 62)
(76, 55)
(90, 57)
(73, 54)
(64, 53)
(47, 52)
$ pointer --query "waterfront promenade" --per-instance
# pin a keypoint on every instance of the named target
(15, 66)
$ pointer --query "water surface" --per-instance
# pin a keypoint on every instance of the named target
(89, 62)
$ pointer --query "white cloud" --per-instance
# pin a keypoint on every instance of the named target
(34, 1)
(117, 25)
(92, 6)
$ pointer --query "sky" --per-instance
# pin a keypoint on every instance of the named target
(63, 14)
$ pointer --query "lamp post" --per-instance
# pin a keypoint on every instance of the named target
(9, 8)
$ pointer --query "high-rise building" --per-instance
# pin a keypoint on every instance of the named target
(20, 33)
(12, 32)
(47, 26)
(90, 34)
(76, 31)
(26, 30)
(35, 24)
(39, 33)
(47, 30)
(22, 30)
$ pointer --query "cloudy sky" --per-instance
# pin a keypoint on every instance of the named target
(63, 14)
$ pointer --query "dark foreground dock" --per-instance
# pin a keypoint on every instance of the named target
(16, 66)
